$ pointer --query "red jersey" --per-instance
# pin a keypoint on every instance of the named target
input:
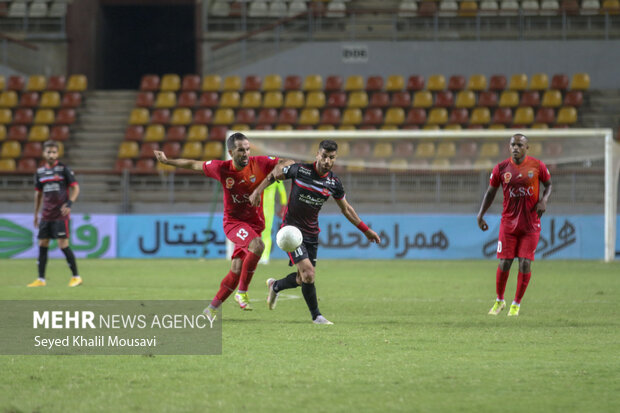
(238, 185)
(520, 184)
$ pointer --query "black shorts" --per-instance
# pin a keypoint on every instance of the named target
(53, 229)
(307, 249)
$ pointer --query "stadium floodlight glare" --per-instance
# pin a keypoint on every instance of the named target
(582, 162)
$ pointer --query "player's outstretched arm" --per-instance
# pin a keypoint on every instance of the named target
(541, 206)
(348, 211)
(276, 174)
(179, 163)
(489, 196)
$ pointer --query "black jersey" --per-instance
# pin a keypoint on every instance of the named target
(309, 191)
(54, 182)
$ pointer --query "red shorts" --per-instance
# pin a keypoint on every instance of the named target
(240, 234)
(521, 245)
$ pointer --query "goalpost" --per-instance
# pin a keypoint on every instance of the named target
(448, 171)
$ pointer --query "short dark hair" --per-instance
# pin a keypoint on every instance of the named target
(50, 144)
(328, 145)
(237, 136)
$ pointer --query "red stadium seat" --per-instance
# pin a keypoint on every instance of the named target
(147, 148)
(18, 133)
(488, 98)
(292, 82)
(401, 99)
(379, 100)
(374, 83)
(161, 116)
(530, 98)
(66, 116)
(247, 116)
(122, 164)
(427, 8)
(456, 83)
(59, 133)
(145, 99)
(265, 126)
(404, 148)
(333, 83)
(190, 83)
(23, 116)
(545, 115)
(149, 83)
(415, 83)
(209, 100)
(416, 116)
(573, 98)
(71, 100)
(459, 116)
(444, 99)
(267, 116)
(176, 133)
(497, 83)
(29, 100)
(203, 116)
(218, 133)
(16, 83)
(32, 150)
(145, 166)
(26, 165)
(134, 133)
(361, 149)
(172, 149)
(252, 82)
(288, 116)
(337, 100)
(330, 116)
(372, 116)
(187, 99)
(502, 115)
(559, 82)
(56, 83)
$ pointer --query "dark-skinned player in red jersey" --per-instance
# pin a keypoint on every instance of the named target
(519, 229)
(312, 185)
(243, 223)
(57, 189)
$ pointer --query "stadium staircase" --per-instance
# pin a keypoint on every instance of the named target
(602, 109)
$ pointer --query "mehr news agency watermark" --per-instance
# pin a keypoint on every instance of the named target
(108, 327)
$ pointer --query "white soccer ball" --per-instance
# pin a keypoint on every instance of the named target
(289, 238)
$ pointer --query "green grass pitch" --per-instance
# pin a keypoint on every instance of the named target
(408, 336)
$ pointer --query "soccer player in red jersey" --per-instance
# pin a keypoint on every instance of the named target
(519, 230)
(243, 223)
(57, 189)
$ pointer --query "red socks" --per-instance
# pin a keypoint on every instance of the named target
(522, 282)
(228, 285)
(501, 278)
(247, 270)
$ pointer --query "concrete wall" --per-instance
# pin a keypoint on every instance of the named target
(49, 59)
(599, 58)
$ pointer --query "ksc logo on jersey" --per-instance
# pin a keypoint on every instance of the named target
(507, 177)
(229, 182)
(530, 174)
(252, 178)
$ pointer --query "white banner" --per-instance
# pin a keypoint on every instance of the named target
(354, 53)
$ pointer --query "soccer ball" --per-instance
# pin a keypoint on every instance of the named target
(289, 238)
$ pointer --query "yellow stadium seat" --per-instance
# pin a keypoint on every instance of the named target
(11, 149)
(446, 150)
(273, 100)
(211, 83)
(213, 150)
(567, 116)
(328, 128)
(356, 165)
(358, 99)
(524, 116)
(39, 133)
(354, 82)
(309, 117)
(465, 99)
(170, 82)
(518, 82)
(395, 83)
(497, 126)
(477, 83)
(224, 117)
(2, 132)
(388, 127)
(535, 149)
(552, 99)
(294, 99)
(197, 133)
(394, 116)
(347, 127)
(440, 163)
(453, 126)
(425, 150)
(468, 8)
(422, 99)
(181, 116)
(230, 99)
(540, 126)
(382, 150)
(284, 127)
(272, 82)
(483, 163)
(6, 116)
(44, 117)
(489, 150)
(7, 165)
(166, 100)
(352, 116)
(580, 81)
(154, 133)
(239, 127)
(313, 82)
(436, 82)
(139, 116)
(50, 100)
(232, 83)
(77, 83)
(398, 165)
(480, 116)
(251, 99)
(539, 81)
(2, 82)
(36, 83)
(437, 116)
(128, 150)
(8, 99)
(315, 99)
(191, 150)
(509, 99)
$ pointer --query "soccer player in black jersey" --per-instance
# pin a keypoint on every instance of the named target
(312, 185)
(57, 189)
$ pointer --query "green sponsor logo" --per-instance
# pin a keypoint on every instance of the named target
(13, 239)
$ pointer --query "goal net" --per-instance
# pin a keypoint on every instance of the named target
(403, 171)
